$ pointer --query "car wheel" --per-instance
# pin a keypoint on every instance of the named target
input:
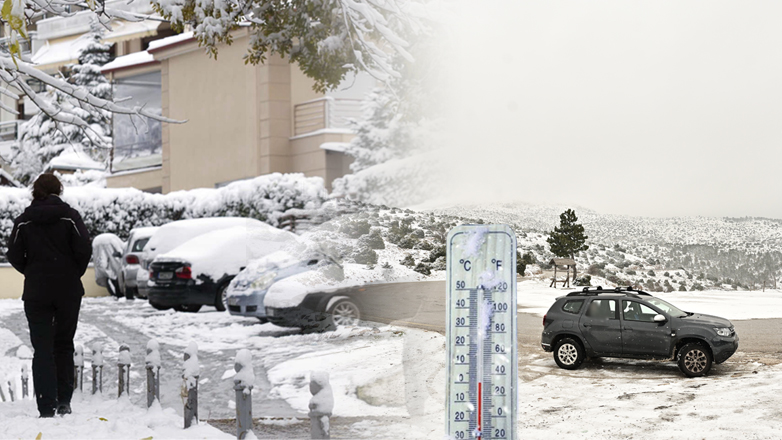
(189, 308)
(568, 353)
(159, 306)
(221, 302)
(345, 313)
(694, 360)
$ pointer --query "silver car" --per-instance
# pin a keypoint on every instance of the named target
(131, 262)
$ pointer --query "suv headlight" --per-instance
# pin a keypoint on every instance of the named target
(724, 331)
(264, 281)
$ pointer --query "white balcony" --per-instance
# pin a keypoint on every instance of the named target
(327, 113)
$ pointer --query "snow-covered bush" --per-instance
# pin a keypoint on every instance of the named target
(267, 198)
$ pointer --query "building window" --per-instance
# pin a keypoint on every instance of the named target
(136, 137)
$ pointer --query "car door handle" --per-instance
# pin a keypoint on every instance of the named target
(587, 325)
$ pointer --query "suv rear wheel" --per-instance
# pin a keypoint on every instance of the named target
(568, 353)
(694, 360)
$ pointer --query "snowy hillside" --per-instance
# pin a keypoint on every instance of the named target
(694, 252)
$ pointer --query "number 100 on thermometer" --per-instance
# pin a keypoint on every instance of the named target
(481, 333)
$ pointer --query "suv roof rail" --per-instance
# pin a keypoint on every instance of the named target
(599, 289)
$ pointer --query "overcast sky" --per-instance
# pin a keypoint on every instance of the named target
(656, 108)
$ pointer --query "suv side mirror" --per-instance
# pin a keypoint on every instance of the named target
(659, 318)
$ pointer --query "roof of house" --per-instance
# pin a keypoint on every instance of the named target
(136, 59)
(163, 43)
(563, 261)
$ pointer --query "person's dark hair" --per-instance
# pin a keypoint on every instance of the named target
(46, 185)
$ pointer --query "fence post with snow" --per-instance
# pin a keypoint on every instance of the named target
(243, 384)
(123, 370)
(152, 362)
(78, 368)
(97, 368)
(321, 404)
(25, 378)
(190, 374)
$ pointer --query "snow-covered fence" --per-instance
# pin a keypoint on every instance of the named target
(97, 368)
(321, 404)
(191, 372)
(78, 368)
(243, 385)
(123, 370)
(152, 362)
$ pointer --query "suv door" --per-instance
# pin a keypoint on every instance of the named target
(601, 327)
(641, 336)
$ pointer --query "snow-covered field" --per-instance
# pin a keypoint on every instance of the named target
(535, 296)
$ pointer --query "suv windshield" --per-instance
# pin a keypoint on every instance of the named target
(666, 307)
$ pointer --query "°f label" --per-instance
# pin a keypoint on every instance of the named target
(481, 333)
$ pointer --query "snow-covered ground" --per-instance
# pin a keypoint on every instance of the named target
(391, 379)
(535, 296)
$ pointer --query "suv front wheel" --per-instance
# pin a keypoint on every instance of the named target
(694, 360)
(568, 353)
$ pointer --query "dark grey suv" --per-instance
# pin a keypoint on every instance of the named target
(628, 323)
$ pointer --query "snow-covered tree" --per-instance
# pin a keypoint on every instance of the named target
(44, 137)
(383, 133)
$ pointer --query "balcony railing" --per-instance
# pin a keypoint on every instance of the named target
(325, 113)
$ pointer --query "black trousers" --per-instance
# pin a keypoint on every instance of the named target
(52, 326)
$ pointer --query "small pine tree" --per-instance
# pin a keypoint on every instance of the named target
(568, 238)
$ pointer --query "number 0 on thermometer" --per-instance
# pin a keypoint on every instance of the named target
(481, 333)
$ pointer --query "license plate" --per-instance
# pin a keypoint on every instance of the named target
(269, 312)
(165, 275)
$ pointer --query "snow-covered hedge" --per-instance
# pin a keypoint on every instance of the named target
(118, 210)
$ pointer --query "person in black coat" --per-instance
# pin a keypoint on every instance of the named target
(50, 245)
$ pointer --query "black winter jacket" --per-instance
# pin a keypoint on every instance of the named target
(50, 245)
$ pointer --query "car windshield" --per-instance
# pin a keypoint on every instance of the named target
(666, 307)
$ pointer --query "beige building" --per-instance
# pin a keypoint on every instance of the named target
(242, 121)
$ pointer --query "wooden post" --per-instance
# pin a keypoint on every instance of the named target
(123, 370)
(152, 362)
(321, 405)
(25, 378)
(78, 368)
(97, 368)
(190, 376)
(243, 385)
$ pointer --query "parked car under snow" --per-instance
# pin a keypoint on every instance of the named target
(171, 235)
(245, 294)
(131, 260)
(326, 298)
(107, 261)
(197, 272)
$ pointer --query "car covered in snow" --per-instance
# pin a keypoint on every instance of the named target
(173, 234)
(331, 296)
(629, 323)
(131, 260)
(198, 271)
(245, 294)
(107, 261)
